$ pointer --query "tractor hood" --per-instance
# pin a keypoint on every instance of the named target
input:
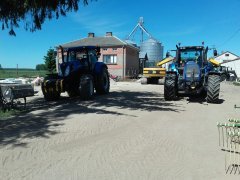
(191, 71)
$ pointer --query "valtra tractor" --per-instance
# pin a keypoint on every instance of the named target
(192, 74)
(79, 74)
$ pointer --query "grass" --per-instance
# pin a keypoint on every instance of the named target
(7, 114)
(236, 83)
(14, 73)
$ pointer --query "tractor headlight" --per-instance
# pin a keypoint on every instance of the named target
(188, 75)
(67, 71)
(196, 75)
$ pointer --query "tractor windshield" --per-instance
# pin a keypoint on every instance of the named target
(190, 55)
(77, 55)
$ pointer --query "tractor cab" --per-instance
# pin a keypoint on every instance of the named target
(195, 54)
(77, 59)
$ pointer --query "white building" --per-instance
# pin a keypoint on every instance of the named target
(230, 60)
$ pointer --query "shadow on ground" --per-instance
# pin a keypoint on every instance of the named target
(50, 115)
(202, 100)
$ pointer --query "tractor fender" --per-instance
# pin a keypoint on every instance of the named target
(213, 73)
(99, 66)
(172, 69)
(171, 72)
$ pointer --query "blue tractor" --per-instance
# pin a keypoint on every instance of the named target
(192, 74)
(79, 74)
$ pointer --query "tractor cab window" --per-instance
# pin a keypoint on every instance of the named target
(190, 55)
(93, 58)
(72, 56)
(81, 56)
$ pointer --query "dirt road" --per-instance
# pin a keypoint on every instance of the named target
(132, 133)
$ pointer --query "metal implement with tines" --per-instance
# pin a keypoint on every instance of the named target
(229, 141)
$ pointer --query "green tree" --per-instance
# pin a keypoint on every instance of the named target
(41, 67)
(33, 13)
(0, 66)
(50, 60)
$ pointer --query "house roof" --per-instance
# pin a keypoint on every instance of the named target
(226, 53)
(227, 61)
(104, 41)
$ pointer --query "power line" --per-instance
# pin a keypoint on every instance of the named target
(230, 38)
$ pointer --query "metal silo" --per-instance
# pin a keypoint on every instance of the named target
(154, 50)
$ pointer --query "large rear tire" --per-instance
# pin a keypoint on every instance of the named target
(102, 83)
(86, 87)
(170, 87)
(213, 88)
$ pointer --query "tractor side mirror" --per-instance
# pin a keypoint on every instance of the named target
(215, 52)
(168, 54)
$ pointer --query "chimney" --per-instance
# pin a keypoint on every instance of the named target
(108, 34)
(91, 35)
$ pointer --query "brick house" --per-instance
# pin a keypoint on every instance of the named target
(121, 57)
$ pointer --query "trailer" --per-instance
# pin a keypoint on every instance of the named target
(13, 95)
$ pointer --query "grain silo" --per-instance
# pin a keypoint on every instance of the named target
(154, 50)
(151, 47)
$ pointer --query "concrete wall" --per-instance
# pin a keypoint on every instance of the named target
(127, 60)
(114, 69)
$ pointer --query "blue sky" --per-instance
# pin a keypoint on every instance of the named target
(187, 21)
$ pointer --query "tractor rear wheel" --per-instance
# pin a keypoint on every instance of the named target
(102, 82)
(86, 87)
(213, 88)
(223, 77)
(170, 87)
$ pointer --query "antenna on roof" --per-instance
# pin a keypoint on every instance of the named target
(140, 25)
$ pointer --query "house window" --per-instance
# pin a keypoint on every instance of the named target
(110, 59)
(105, 49)
(227, 55)
(114, 49)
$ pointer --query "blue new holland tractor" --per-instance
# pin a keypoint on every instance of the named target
(79, 74)
(192, 74)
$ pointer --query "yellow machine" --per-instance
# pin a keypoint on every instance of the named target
(155, 74)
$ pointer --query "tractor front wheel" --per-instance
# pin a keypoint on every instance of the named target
(213, 88)
(102, 82)
(170, 87)
(86, 87)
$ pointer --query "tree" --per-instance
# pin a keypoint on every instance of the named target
(41, 67)
(0, 66)
(33, 13)
(50, 60)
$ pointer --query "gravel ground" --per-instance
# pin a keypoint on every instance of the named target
(131, 133)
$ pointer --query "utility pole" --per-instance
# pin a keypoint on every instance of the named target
(17, 70)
